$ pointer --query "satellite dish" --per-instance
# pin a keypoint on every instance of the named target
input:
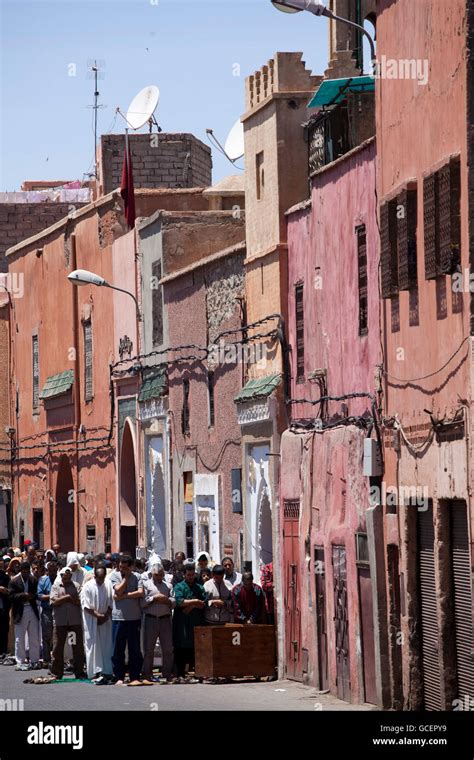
(234, 145)
(143, 106)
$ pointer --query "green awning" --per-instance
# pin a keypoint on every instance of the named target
(333, 91)
(259, 388)
(153, 385)
(57, 385)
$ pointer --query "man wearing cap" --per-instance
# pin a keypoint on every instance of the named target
(23, 589)
(157, 605)
(45, 584)
(30, 551)
(65, 601)
(219, 599)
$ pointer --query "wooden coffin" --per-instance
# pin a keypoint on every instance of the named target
(234, 651)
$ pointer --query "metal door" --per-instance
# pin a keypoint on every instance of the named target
(320, 582)
(367, 631)
(428, 609)
(395, 626)
(291, 515)
(461, 565)
(341, 622)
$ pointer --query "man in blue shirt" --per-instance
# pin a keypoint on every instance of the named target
(126, 622)
(44, 590)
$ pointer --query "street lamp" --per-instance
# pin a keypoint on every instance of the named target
(83, 277)
(319, 9)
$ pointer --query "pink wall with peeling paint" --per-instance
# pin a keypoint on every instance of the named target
(324, 470)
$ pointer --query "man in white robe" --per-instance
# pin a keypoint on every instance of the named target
(97, 603)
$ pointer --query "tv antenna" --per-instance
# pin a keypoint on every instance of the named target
(96, 73)
(234, 145)
(142, 109)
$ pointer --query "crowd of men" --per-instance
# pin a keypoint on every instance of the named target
(81, 614)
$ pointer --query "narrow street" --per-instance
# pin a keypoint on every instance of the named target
(275, 695)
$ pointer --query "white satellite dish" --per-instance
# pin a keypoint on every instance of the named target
(234, 145)
(143, 106)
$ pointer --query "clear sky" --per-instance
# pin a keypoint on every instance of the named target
(189, 48)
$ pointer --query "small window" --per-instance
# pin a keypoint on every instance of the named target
(107, 535)
(362, 549)
(363, 294)
(185, 409)
(210, 395)
(260, 175)
(88, 361)
(299, 312)
(90, 532)
(189, 526)
(35, 356)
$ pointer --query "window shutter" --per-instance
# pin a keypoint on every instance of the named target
(299, 310)
(406, 233)
(35, 353)
(388, 249)
(185, 408)
(449, 183)
(362, 267)
(88, 384)
(430, 215)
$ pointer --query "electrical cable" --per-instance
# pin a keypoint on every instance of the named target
(431, 374)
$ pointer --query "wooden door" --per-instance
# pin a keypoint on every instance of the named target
(367, 631)
(341, 622)
(292, 591)
(321, 627)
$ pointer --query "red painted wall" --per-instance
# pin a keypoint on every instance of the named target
(217, 449)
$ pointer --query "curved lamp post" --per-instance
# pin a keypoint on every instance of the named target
(83, 277)
(319, 9)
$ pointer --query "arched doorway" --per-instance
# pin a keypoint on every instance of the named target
(65, 503)
(128, 493)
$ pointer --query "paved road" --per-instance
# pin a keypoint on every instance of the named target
(276, 695)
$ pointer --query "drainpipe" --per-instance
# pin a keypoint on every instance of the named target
(275, 445)
(77, 387)
(169, 495)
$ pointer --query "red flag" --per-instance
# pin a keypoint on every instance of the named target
(126, 188)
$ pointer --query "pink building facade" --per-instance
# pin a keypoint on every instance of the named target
(333, 587)
(426, 219)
